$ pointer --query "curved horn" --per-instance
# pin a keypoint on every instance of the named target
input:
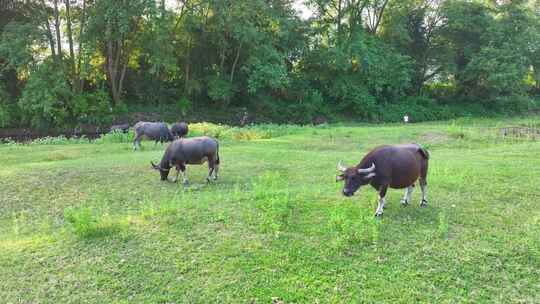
(341, 167)
(155, 166)
(367, 170)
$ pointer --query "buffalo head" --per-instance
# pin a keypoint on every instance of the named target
(164, 172)
(354, 177)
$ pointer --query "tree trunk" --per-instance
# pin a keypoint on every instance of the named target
(49, 31)
(79, 64)
(338, 21)
(235, 61)
(187, 69)
(111, 71)
(57, 28)
(75, 80)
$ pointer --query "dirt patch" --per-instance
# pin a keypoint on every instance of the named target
(520, 132)
(433, 137)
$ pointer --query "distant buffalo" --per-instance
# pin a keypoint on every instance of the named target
(189, 151)
(179, 129)
(120, 128)
(157, 131)
(397, 166)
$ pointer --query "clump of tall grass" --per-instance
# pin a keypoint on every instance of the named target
(274, 204)
(87, 223)
(116, 137)
(351, 226)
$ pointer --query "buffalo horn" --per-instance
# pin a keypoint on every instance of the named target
(367, 170)
(340, 167)
(155, 166)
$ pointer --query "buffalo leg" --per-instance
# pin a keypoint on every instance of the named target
(183, 169)
(177, 173)
(423, 186)
(137, 143)
(382, 201)
(210, 170)
(407, 197)
(216, 170)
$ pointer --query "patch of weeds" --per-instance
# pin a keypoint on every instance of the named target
(58, 140)
(274, 204)
(351, 226)
(248, 134)
(116, 137)
(87, 223)
(442, 228)
(8, 141)
(252, 132)
(163, 209)
(456, 131)
(209, 129)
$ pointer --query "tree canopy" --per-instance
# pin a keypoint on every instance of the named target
(68, 62)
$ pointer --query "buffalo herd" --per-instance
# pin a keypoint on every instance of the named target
(387, 166)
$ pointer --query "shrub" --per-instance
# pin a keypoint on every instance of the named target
(184, 105)
(515, 104)
(46, 96)
(116, 137)
(5, 117)
(209, 129)
(92, 107)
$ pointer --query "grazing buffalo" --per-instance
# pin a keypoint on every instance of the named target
(120, 128)
(157, 131)
(189, 151)
(179, 129)
(397, 167)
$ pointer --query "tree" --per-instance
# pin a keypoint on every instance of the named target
(114, 29)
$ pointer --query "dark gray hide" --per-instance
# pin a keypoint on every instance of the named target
(179, 129)
(120, 128)
(157, 131)
(397, 166)
(190, 151)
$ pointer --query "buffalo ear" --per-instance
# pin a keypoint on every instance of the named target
(339, 178)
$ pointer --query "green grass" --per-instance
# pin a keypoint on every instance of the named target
(92, 223)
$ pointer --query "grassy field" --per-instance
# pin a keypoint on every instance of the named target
(92, 223)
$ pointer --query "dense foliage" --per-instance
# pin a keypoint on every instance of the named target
(70, 62)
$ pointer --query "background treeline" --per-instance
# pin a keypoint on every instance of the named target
(64, 63)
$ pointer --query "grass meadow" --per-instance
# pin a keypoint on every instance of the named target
(91, 222)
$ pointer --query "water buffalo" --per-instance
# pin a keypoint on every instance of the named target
(189, 151)
(158, 131)
(179, 129)
(397, 166)
(120, 128)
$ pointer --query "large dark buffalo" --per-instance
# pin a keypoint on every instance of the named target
(179, 129)
(397, 167)
(157, 131)
(189, 151)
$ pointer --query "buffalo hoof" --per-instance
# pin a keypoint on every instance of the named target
(404, 203)
(378, 214)
(186, 183)
(423, 203)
